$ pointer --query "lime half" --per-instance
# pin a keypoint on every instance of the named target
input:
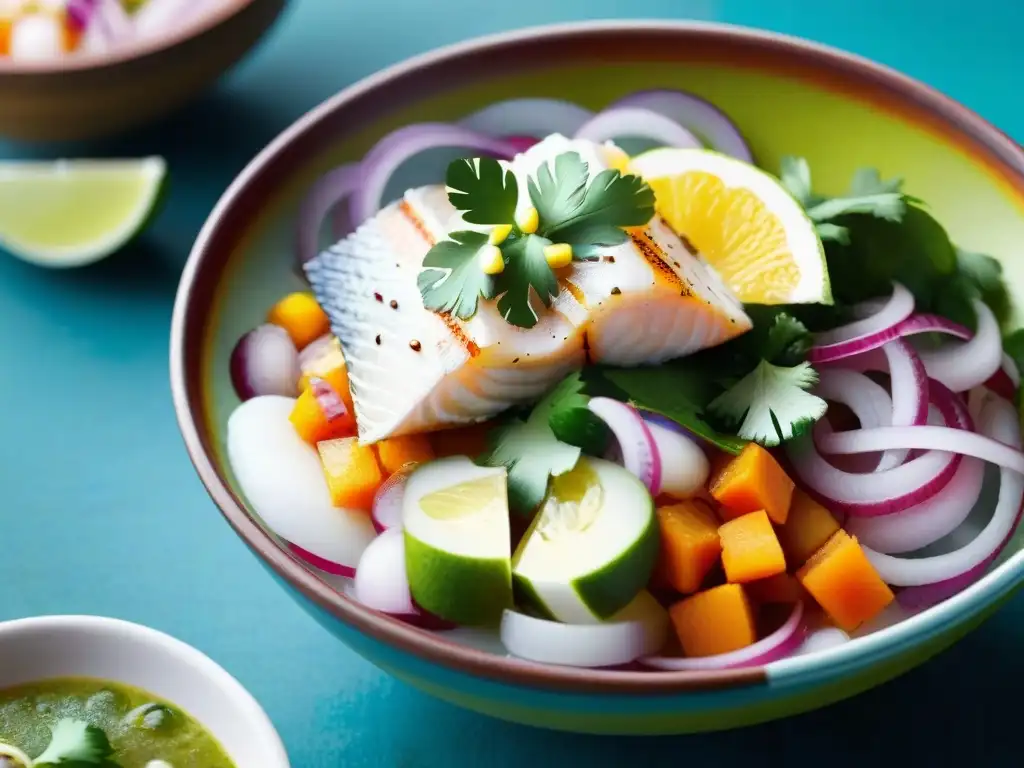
(70, 213)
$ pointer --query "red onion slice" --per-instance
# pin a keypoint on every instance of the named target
(636, 123)
(998, 423)
(868, 400)
(638, 629)
(331, 189)
(964, 366)
(881, 493)
(387, 502)
(684, 466)
(779, 644)
(897, 309)
(533, 117)
(380, 579)
(695, 114)
(638, 448)
(330, 402)
(404, 143)
(327, 566)
(265, 362)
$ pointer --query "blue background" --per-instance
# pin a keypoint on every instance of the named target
(100, 511)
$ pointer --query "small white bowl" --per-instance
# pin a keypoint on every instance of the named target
(110, 649)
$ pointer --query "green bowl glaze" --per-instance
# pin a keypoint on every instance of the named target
(788, 97)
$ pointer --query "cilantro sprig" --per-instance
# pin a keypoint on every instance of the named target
(77, 744)
(571, 213)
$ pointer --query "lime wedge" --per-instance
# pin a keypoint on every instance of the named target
(466, 498)
(70, 213)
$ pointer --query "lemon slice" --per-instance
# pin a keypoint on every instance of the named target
(458, 546)
(742, 221)
(70, 213)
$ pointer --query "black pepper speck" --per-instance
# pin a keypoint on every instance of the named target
(378, 339)
(515, 359)
(616, 291)
(394, 304)
(378, 297)
(415, 345)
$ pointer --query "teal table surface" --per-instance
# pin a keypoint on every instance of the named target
(100, 511)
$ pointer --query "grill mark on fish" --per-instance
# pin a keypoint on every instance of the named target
(468, 344)
(656, 257)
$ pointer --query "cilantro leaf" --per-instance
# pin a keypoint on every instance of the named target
(483, 190)
(788, 341)
(827, 231)
(796, 178)
(76, 744)
(572, 421)
(530, 451)
(587, 215)
(678, 390)
(452, 280)
(886, 205)
(985, 275)
(525, 268)
(866, 182)
(771, 404)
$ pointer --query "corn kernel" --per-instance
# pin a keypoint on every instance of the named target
(499, 234)
(491, 260)
(529, 221)
(558, 255)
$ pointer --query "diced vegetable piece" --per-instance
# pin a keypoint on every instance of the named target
(338, 379)
(461, 441)
(352, 472)
(753, 481)
(314, 422)
(807, 528)
(844, 583)
(5, 36)
(714, 621)
(780, 588)
(750, 549)
(689, 544)
(301, 316)
(395, 452)
(322, 358)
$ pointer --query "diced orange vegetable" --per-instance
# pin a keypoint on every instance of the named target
(718, 620)
(323, 364)
(461, 441)
(780, 588)
(395, 452)
(842, 580)
(301, 316)
(753, 481)
(808, 526)
(689, 544)
(314, 425)
(72, 35)
(338, 379)
(352, 472)
(750, 549)
(5, 36)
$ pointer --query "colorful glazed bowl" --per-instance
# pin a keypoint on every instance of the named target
(788, 97)
(91, 95)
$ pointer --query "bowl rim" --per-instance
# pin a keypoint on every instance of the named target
(82, 62)
(129, 633)
(1000, 150)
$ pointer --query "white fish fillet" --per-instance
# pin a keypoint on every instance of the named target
(412, 370)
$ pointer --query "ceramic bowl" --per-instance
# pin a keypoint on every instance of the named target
(45, 647)
(88, 96)
(788, 97)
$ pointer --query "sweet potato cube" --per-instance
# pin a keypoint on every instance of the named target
(314, 422)
(807, 528)
(842, 580)
(750, 549)
(689, 544)
(352, 472)
(717, 620)
(750, 482)
(780, 588)
(301, 316)
(395, 452)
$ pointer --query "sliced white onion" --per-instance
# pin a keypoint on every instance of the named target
(964, 366)
(381, 582)
(927, 522)
(400, 145)
(684, 466)
(387, 502)
(637, 630)
(329, 191)
(697, 115)
(999, 423)
(635, 441)
(897, 309)
(636, 123)
(534, 117)
(265, 362)
(823, 640)
(782, 642)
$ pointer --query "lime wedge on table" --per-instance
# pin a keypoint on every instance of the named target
(72, 212)
(457, 540)
(742, 221)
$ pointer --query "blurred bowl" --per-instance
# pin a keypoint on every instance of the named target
(788, 97)
(92, 95)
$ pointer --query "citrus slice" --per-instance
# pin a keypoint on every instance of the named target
(457, 542)
(742, 221)
(70, 213)
(592, 546)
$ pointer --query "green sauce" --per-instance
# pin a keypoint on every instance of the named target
(140, 726)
